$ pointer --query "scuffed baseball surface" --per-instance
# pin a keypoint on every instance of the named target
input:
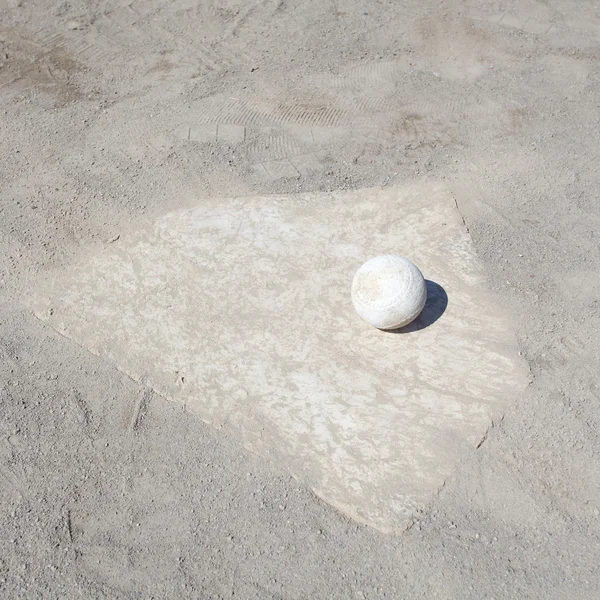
(389, 291)
(239, 309)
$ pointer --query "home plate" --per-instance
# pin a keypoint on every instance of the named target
(240, 309)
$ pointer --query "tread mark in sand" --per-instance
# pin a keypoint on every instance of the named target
(277, 169)
(278, 152)
(126, 34)
(89, 47)
(538, 22)
(207, 133)
(132, 29)
(308, 163)
(231, 134)
(374, 79)
(376, 84)
(275, 145)
(244, 18)
(107, 39)
(212, 59)
(241, 112)
(301, 165)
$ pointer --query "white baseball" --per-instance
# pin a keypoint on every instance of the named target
(389, 291)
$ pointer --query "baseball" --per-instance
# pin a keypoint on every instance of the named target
(388, 291)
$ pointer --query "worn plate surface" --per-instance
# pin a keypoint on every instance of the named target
(241, 310)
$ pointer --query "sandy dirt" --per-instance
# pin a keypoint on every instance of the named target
(114, 114)
(238, 309)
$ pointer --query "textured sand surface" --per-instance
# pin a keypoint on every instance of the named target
(115, 114)
(240, 311)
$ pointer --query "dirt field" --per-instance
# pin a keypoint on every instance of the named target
(114, 114)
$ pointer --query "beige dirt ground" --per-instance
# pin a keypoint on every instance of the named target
(114, 114)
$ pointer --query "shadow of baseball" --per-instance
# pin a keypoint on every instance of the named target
(435, 306)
